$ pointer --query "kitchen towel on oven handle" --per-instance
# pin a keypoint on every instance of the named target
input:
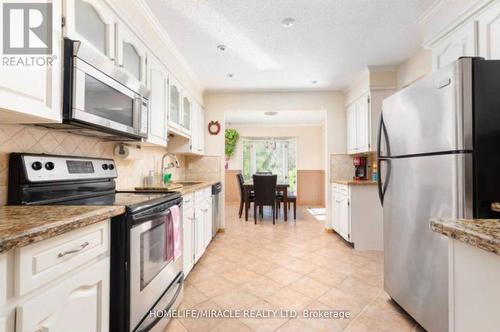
(175, 214)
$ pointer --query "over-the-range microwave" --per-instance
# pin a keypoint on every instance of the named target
(101, 99)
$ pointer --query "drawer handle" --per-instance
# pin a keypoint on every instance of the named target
(73, 251)
(204, 210)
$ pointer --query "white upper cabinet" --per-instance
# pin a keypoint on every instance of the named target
(462, 42)
(362, 117)
(489, 33)
(131, 53)
(158, 102)
(174, 111)
(351, 129)
(186, 114)
(92, 22)
(33, 94)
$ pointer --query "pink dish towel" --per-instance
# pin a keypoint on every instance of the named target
(176, 219)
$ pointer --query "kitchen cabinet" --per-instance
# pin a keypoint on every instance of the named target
(357, 215)
(79, 303)
(58, 284)
(207, 220)
(462, 42)
(186, 114)
(92, 22)
(195, 143)
(489, 32)
(158, 102)
(199, 247)
(188, 223)
(175, 107)
(362, 118)
(33, 94)
(131, 53)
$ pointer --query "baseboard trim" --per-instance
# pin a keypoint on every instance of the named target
(329, 230)
(221, 230)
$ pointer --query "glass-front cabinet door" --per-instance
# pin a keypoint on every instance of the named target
(175, 104)
(131, 53)
(92, 22)
(186, 114)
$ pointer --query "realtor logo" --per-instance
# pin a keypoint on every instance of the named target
(27, 28)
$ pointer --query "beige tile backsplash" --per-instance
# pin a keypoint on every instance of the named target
(341, 167)
(32, 139)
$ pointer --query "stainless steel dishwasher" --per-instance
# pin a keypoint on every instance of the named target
(216, 208)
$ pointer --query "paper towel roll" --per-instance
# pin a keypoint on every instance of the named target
(127, 152)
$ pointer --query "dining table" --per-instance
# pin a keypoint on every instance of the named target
(280, 187)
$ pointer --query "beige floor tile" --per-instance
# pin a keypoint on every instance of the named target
(327, 277)
(300, 266)
(192, 297)
(324, 323)
(261, 287)
(283, 276)
(231, 325)
(295, 325)
(215, 285)
(235, 300)
(175, 326)
(239, 275)
(340, 300)
(264, 324)
(201, 324)
(287, 298)
(199, 273)
(310, 287)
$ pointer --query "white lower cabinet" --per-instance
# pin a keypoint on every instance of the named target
(188, 223)
(65, 288)
(197, 226)
(357, 215)
(80, 303)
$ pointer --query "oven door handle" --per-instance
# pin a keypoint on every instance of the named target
(143, 328)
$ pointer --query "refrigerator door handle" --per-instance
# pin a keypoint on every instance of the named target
(382, 185)
(382, 130)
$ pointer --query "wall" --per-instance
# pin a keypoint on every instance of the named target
(24, 138)
(332, 102)
(310, 143)
(415, 67)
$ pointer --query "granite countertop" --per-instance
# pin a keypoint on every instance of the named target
(355, 182)
(185, 189)
(481, 233)
(23, 225)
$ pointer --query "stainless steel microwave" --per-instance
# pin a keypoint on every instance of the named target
(101, 99)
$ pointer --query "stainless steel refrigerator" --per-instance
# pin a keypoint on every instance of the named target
(438, 156)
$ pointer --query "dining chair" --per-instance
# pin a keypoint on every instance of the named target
(291, 199)
(265, 193)
(242, 194)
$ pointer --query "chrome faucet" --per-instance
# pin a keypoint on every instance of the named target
(171, 164)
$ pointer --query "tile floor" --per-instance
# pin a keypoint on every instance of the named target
(294, 265)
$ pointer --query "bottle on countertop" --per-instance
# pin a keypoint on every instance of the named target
(150, 178)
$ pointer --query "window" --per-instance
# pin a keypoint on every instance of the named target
(276, 155)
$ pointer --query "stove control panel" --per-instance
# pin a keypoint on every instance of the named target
(40, 168)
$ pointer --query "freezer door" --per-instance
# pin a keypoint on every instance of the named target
(415, 258)
(432, 115)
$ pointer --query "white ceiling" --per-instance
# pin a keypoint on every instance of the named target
(296, 118)
(331, 41)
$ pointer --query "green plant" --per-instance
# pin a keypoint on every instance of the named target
(231, 136)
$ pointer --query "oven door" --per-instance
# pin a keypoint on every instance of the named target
(100, 100)
(152, 264)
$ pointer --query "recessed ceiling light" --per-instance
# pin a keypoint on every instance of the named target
(287, 22)
(221, 47)
(230, 75)
(270, 113)
(314, 82)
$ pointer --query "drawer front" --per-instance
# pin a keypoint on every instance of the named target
(187, 201)
(208, 192)
(42, 262)
(3, 279)
(335, 188)
(343, 189)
